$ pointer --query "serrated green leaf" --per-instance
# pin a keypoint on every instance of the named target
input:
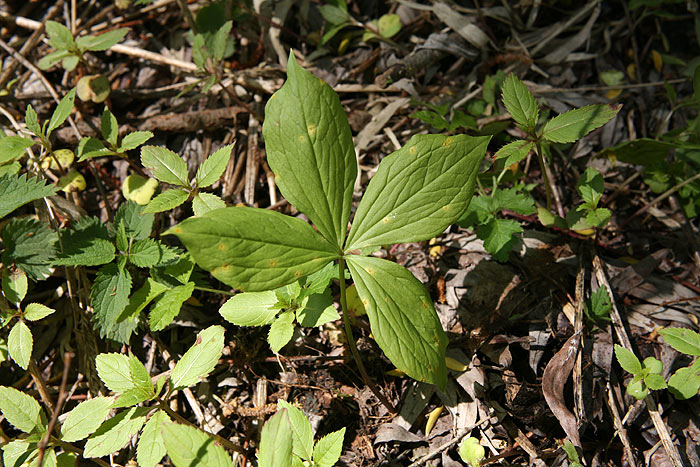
(213, 167)
(85, 418)
(327, 450)
(499, 236)
(137, 222)
(20, 344)
(167, 200)
(122, 239)
(512, 200)
(515, 151)
(684, 383)
(187, 446)
(109, 127)
(62, 111)
(115, 371)
(303, 433)
(220, 39)
(200, 359)
(418, 191)
(402, 318)
(165, 165)
(310, 150)
(317, 310)
(281, 331)
(81, 249)
(20, 409)
(254, 249)
(598, 217)
(519, 102)
(32, 121)
(149, 252)
(51, 59)
(134, 140)
(13, 147)
(14, 285)
(683, 340)
(575, 124)
(276, 441)
(591, 186)
(37, 311)
(202, 203)
(250, 308)
(627, 360)
(19, 453)
(16, 191)
(598, 306)
(60, 36)
(151, 447)
(103, 41)
(142, 389)
(90, 147)
(116, 432)
(30, 246)
(317, 283)
(168, 305)
(109, 297)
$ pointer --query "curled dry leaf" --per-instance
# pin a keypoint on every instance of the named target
(555, 375)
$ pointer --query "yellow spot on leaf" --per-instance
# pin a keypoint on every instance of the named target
(311, 129)
(412, 150)
(297, 274)
(177, 230)
(447, 141)
(222, 246)
(365, 302)
(273, 263)
(386, 220)
(224, 268)
(370, 271)
(302, 138)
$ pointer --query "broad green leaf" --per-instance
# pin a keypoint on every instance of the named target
(151, 447)
(37, 311)
(334, 14)
(122, 240)
(200, 359)
(303, 433)
(90, 147)
(109, 127)
(276, 441)
(510, 199)
(178, 272)
(67, 459)
(683, 340)
(515, 151)
(655, 382)
(281, 331)
(14, 285)
(499, 236)
(165, 165)
(418, 191)
(20, 344)
(250, 308)
(310, 150)
(20, 409)
(32, 121)
(115, 371)
(51, 59)
(213, 167)
(187, 447)
(627, 360)
(116, 432)
(82, 250)
(85, 418)
(168, 305)
(402, 318)
(19, 453)
(13, 147)
(202, 203)
(317, 283)
(598, 217)
(16, 191)
(70, 62)
(471, 452)
(60, 36)
(591, 186)
(138, 223)
(389, 25)
(167, 200)
(317, 310)
(30, 245)
(575, 124)
(109, 297)
(254, 249)
(328, 449)
(134, 140)
(143, 388)
(62, 111)
(519, 102)
(218, 49)
(684, 383)
(103, 41)
(149, 252)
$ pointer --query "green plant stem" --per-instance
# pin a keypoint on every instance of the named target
(351, 341)
(545, 177)
(71, 448)
(207, 289)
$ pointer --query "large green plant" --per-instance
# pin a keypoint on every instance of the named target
(416, 193)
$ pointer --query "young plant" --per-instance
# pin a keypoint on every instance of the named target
(597, 307)
(168, 167)
(685, 382)
(307, 300)
(646, 375)
(417, 192)
(287, 439)
(335, 12)
(90, 147)
(208, 51)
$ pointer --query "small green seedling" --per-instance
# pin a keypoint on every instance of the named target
(308, 300)
(90, 147)
(416, 193)
(70, 51)
(572, 454)
(170, 168)
(208, 51)
(287, 439)
(471, 452)
(646, 375)
(597, 307)
(685, 382)
(335, 12)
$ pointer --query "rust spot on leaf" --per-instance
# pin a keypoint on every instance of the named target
(447, 142)
(412, 150)
(302, 138)
(222, 246)
(311, 129)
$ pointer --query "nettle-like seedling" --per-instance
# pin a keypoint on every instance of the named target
(646, 375)
(416, 193)
(90, 147)
(685, 382)
(287, 439)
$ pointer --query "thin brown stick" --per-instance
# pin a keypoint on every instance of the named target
(62, 394)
